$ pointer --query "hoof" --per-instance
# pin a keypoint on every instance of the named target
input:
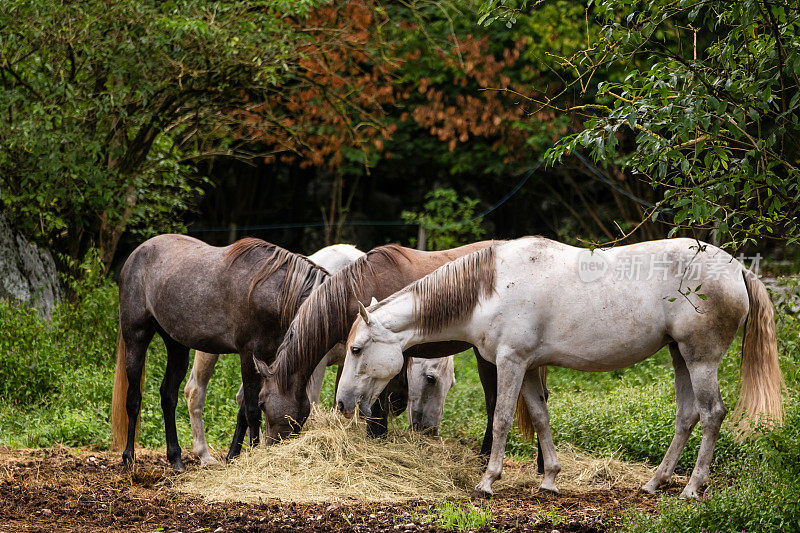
(208, 460)
(178, 467)
(548, 487)
(689, 494)
(231, 456)
(480, 494)
(647, 489)
(128, 464)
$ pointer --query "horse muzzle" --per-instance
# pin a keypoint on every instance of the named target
(347, 406)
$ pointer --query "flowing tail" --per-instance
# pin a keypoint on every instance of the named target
(762, 381)
(119, 396)
(522, 416)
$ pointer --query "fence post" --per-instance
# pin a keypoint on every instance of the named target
(421, 237)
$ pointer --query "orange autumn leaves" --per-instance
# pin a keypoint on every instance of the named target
(476, 104)
(350, 94)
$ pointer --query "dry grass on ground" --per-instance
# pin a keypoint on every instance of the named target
(334, 461)
(579, 473)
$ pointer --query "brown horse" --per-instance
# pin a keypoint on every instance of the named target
(236, 299)
(324, 320)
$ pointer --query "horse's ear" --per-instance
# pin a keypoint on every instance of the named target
(363, 312)
(373, 301)
(261, 367)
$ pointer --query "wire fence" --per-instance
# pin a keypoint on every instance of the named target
(510, 194)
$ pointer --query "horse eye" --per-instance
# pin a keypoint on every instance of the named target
(430, 379)
(355, 350)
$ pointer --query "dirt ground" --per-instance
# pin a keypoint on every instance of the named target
(64, 489)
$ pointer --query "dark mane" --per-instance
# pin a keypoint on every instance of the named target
(325, 316)
(452, 291)
(302, 275)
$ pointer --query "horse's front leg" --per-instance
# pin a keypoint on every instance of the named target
(251, 384)
(378, 422)
(177, 364)
(195, 393)
(249, 416)
(238, 435)
(539, 456)
(510, 372)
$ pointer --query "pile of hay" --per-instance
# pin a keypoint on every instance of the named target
(579, 473)
(332, 461)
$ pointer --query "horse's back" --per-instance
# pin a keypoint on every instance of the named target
(599, 308)
(186, 286)
(335, 257)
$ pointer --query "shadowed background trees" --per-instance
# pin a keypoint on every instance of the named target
(308, 123)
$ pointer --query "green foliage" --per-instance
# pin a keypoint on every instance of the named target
(57, 389)
(453, 516)
(458, 86)
(107, 105)
(714, 105)
(449, 220)
(764, 494)
(56, 376)
(35, 353)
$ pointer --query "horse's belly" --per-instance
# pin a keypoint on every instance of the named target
(599, 354)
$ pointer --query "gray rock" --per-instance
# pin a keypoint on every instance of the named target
(27, 273)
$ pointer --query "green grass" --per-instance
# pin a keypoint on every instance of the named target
(56, 378)
(453, 516)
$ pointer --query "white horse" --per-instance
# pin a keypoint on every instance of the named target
(429, 381)
(331, 258)
(533, 302)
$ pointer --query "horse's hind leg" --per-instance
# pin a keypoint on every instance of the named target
(177, 364)
(195, 393)
(702, 364)
(686, 416)
(535, 395)
(136, 342)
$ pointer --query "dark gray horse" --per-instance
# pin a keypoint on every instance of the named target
(236, 299)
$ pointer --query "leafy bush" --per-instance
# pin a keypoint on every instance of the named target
(763, 496)
(34, 353)
(449, 220)
(56, 376)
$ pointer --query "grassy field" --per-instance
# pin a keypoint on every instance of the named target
(55, 388)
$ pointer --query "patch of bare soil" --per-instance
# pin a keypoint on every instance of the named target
(63, 489)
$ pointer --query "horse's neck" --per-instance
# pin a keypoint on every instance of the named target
(399, 318)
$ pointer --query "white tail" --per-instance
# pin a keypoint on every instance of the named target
(762, 381)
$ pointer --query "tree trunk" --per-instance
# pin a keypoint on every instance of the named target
(110, 232)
